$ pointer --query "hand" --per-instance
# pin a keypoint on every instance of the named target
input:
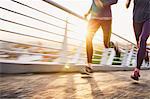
(85, 16)
(128, 3)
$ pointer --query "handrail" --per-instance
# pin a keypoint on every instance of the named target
(46, 31)
(123, 38)
(31, 17)
(34, 36)
(29, 35)
(29, 45)
(63, 8)
(29, 53)
(37, 10)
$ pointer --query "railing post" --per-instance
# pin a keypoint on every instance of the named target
(125, 58)
(104, 56)
(134, 61)
(130, 56)
(111, 56)
(77, 55)
(63, 56)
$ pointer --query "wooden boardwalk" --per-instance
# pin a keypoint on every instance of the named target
(103, 85)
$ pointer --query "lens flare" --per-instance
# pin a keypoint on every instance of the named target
(66, 66)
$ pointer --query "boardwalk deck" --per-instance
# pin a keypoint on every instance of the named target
(103, 85)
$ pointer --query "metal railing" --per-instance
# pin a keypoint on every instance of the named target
(47, 37)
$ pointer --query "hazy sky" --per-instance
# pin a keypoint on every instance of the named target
(122, 17)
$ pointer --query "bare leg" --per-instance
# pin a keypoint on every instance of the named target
(92, 28)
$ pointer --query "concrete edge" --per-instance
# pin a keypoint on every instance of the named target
(51, 68)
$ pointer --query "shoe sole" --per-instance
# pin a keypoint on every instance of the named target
(88, 70)
(135, 78)
(85, 71)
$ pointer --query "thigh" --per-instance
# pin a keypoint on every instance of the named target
(106, 27)
(137, 30)
(145, 30)
(93, 26)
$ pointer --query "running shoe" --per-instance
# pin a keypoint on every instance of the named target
(116, 48)
(88, 70)
(135, 75)
(146, 58)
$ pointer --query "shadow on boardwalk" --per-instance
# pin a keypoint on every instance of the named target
(102, 85)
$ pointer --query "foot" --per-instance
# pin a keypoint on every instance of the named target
(135, 75)
(146, 58)
(116, 48)
(88, 70)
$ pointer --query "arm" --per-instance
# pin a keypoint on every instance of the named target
(89, 11)
(128, 3)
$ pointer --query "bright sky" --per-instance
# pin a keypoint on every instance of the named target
(122, 19)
